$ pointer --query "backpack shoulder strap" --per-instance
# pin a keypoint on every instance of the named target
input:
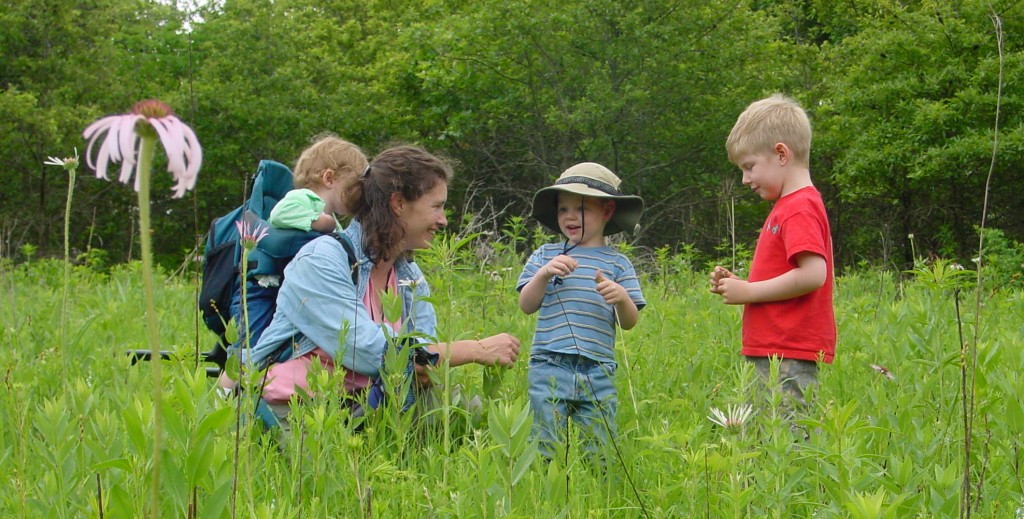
(283, 351)
(350, 251)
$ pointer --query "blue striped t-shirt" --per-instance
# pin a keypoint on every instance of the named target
(573, 317)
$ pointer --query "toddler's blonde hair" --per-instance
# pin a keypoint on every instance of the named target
(328, 152)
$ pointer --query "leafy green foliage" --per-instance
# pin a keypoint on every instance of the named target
(888, 445)
(907, 130)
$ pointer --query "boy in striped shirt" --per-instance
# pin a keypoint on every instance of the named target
(582, 288)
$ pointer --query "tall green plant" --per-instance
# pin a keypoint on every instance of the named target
(249, 236)
(70, 165)
(148, 121)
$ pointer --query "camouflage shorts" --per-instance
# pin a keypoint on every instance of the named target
(795, 377)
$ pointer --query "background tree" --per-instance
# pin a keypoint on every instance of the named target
(902, 97)
(648, 88)
(907, 129)
(63, 64)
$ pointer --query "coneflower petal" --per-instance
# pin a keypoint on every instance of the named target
(174, 147)
(89, 135)
(193, 152)
(93, 133)
(124, 140)
(103, 159)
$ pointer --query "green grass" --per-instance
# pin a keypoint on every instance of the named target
(77, 417)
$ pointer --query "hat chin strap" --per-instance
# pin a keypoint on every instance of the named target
(565, 246)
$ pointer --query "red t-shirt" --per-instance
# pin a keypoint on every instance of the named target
(803, 327)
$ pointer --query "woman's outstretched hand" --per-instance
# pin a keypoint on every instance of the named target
(501, 349)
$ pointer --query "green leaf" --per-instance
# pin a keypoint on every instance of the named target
(216, 504)
(216, 422)
(114, 463)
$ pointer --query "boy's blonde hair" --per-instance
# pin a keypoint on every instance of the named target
(774, 119)
(328, 152)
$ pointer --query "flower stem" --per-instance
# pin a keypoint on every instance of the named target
(244, 325)
(67, 271)
(146, 151)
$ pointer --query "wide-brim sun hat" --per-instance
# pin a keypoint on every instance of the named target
(589, 179)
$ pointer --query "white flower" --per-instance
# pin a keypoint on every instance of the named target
(183, 152)
(735, 416)
(68, 164)
(411, 283)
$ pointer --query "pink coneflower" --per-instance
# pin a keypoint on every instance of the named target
(121, 144)
(250, 233)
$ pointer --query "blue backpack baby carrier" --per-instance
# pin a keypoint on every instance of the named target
(220, 291)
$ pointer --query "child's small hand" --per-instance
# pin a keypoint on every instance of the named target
(732, 289)
(718, 274)
(560, 265)
(612, 292)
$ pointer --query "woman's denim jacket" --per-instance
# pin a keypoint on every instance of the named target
(319, 306)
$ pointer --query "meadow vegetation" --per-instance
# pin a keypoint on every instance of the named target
(887, 425)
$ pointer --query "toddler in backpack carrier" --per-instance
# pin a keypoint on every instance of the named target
(294, 208)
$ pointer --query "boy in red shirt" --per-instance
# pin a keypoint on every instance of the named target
(788, 297)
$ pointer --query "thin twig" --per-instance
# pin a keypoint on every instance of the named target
(190, 16)
(99, 494)
(969, 361)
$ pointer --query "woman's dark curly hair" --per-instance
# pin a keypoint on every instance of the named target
(407, 170)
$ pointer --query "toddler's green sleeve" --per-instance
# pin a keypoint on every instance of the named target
(297, 210)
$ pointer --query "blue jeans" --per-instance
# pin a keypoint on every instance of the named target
(564, 386)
